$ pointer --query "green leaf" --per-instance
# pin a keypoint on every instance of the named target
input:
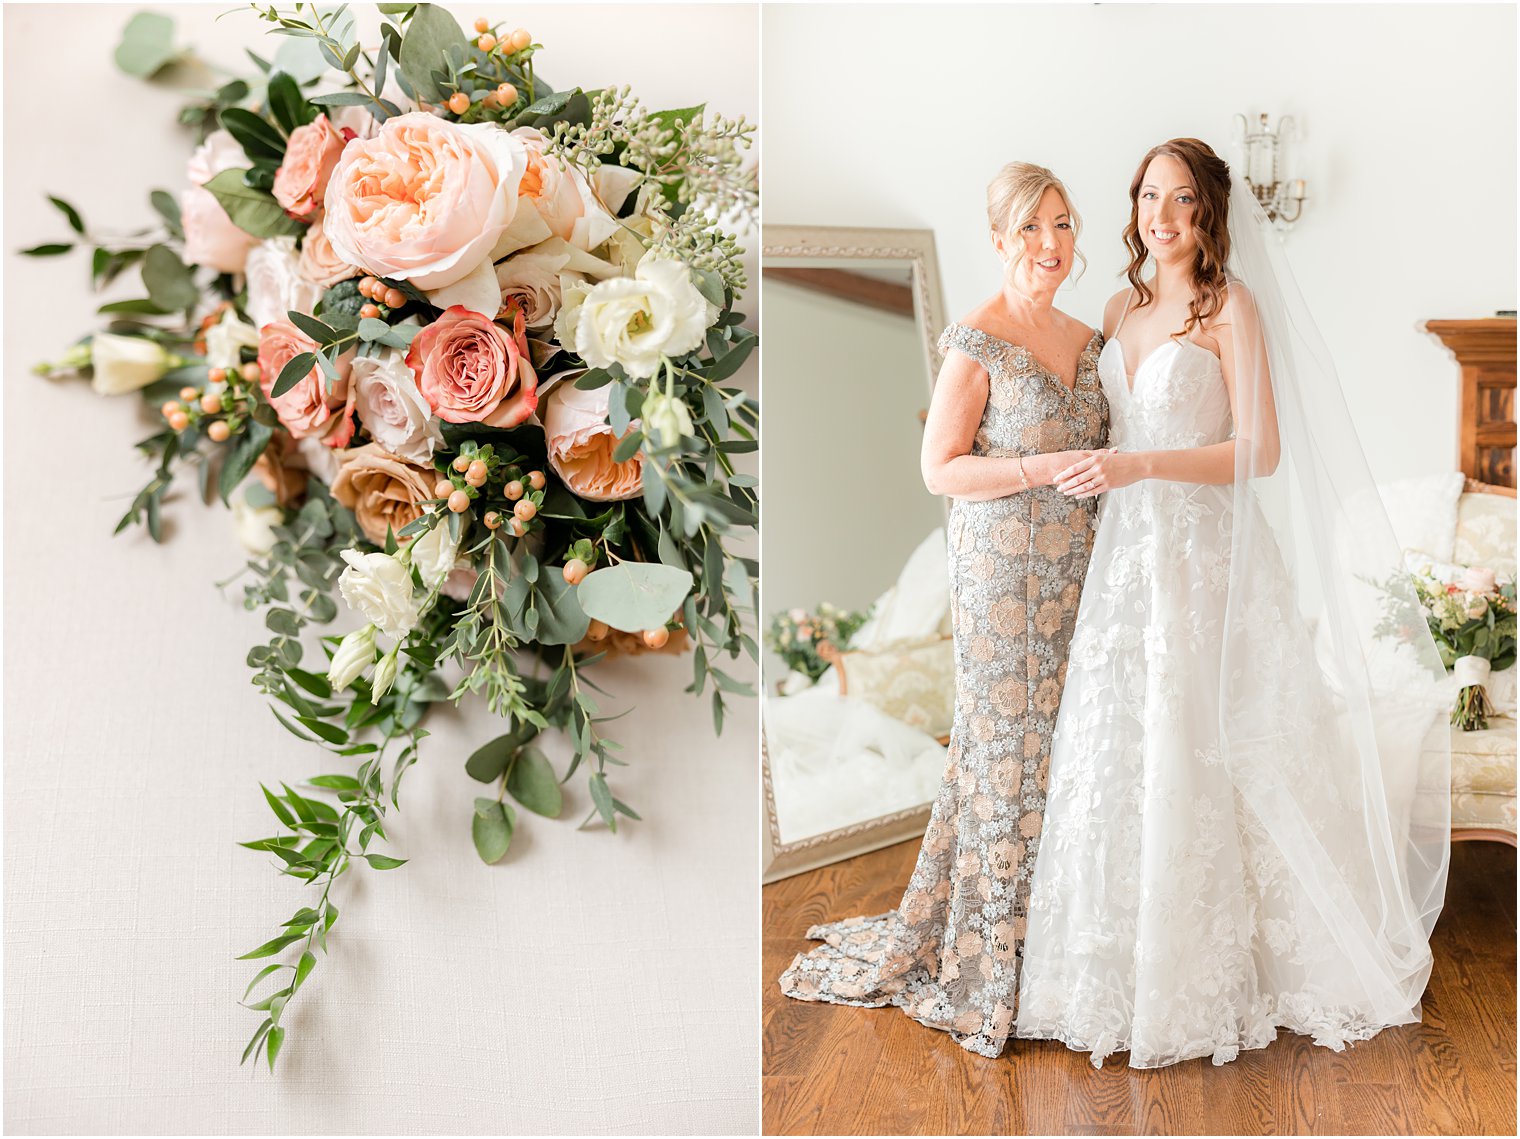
(255, 212)
(273, 946)
(147, 43)
(258, 1038)
(533, 784)
(142, 307)
(49, 249)
(593, 379)
(304, 967)
(430, 34)
(730, 363)
(710, 285)
(491, 828)
(561, 618)
(296, 369)
(241, 456)
(276, 1038)
(322, 333)
(601, 795)
(490, 759)
(259, 139)
(634, 595)
(287, 104)
(71, 215)
(383, 861)
(262, 973)
(281, 811)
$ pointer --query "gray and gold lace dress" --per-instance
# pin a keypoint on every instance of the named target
(949, 954)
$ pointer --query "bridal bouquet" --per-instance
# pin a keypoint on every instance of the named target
(452, 344)
(797, 636)
(1471, 614)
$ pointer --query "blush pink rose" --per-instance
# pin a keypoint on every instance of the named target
(308, 409)
(312, 153)
(210, 237)
(1476, 579)
(425, 200)
(561, 195)
(320, 263)
(471, 370)
(580, 444)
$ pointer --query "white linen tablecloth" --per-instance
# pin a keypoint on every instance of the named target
(590, 984)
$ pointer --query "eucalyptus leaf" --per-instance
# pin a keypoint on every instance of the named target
(430, 34)
(601, 795)
(147, 43)
(241, 456)
(532, 783)
(491, 827)
(255, 212)
(634, 595)
(170, 283)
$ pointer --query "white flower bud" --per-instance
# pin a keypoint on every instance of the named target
(126, 363)
(385, 676)
(434, 554)
(353, 656)
(379, 588)
(665, 419)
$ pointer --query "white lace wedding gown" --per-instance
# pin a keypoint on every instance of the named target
(1169, 916)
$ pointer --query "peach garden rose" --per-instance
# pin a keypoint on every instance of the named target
(309, 160)
(425, 200)
(308, 409)
(383, 490)
(580, 445)
(471, 370)
(210, 237)
(320, 263)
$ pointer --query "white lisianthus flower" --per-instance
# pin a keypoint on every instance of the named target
(385, 676)
(379, 588)
(666, 418)
(355, 653)
(276, 285)
(393, 409)
(127, 363)
(255, 525)
(637, 321)
(434, 554)
(225, 338)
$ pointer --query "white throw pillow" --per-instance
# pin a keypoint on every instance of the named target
(1423, 512)
(916, 606)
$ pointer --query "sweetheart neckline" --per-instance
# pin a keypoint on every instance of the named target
(1130, 378)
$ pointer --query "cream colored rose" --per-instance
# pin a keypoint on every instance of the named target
(319, 261)
(127, 363)
(276, 285)
(425, 200)
(561, 195)
(393, 409)
(434, 554)
(637, 321)
(226, 338)
(211, 239)
(580, 444)
(537, 277)
(382, 489)
(379, 588)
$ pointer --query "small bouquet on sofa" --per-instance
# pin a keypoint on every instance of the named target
(807, 642)
(455, 347)
(1471, 614)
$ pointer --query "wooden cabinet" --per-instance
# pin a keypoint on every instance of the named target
(1485, 352)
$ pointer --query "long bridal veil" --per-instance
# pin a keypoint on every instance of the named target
(1346, 763)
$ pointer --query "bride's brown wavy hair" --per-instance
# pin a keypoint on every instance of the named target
(1210, 176)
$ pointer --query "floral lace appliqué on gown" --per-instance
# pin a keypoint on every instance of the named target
(949, 954)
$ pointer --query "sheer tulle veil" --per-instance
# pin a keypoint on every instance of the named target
(1303, 492)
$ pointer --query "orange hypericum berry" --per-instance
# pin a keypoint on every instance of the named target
(188, 392)
(394, 298)
(520, 39)
(597, 630)
(536, 480)
(513, 490)
(219, 431)
(476, 472)
(179, 421)
(486, 43)
(482, 24)
(443, 488)
(170, 408)
(216, 376)
(211, 403)
(459, 102)
(656, 638)
(459, 502)
(366, 286)
(575, 570)
(525, 509)
(507, 94)
(369, 310)
(251, 371)
(492, 520)
(461, 464)
(517, 527)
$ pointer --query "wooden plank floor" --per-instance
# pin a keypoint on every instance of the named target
(831, 1070)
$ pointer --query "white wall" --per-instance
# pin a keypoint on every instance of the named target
(899, 116)
(844, 501)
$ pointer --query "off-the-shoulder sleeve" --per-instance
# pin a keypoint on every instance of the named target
(967, 340)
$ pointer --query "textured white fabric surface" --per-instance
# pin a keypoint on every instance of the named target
(590, 984)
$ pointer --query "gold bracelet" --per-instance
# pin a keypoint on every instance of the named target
(1024, 478)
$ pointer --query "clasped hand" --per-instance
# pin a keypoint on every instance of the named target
(1100, 471)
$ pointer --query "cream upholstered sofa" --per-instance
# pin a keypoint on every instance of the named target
(1483, 762)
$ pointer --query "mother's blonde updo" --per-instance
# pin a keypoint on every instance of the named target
(1014, 195)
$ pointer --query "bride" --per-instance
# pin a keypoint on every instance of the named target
(1246, 826)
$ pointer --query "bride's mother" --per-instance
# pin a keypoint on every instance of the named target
(1017, 400)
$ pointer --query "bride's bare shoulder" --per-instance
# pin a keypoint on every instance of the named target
(1113, 311)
